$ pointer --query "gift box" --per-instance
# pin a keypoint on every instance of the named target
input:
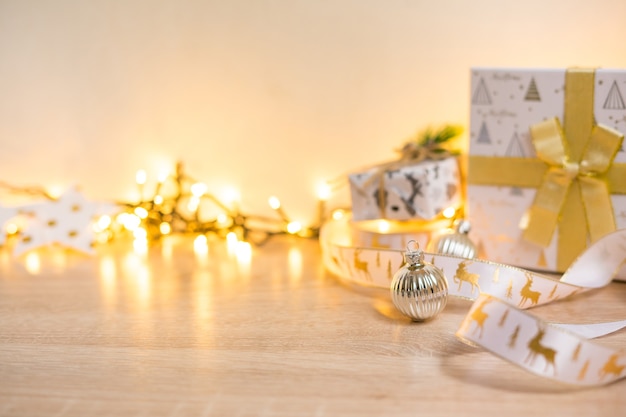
(546, 164)
(405, 191)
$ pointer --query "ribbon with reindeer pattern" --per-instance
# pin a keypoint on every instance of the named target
(497, 320)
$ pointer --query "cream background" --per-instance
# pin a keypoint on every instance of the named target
(270, 97)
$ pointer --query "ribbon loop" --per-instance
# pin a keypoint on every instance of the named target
(601, 149)
(549, 141)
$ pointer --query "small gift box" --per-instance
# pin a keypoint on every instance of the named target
(420, 185)
(547, 168)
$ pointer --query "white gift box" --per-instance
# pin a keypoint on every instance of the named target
(416, 191)
(505, 103)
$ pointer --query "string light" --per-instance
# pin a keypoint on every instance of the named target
(141, 177)
(383, 226)
(11, 228)
(178, 204)
(449, 212)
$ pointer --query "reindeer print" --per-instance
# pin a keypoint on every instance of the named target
(527, 293)
(611, 367)
(478, 316)
(461, 275)
(360, 265)
(538, 349)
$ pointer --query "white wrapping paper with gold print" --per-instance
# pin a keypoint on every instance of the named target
(416, 191)
(547, 166)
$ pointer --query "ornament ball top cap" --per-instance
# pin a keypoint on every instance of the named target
(414, 255)
(462, 226)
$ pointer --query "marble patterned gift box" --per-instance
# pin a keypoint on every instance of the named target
(547, 166)
(409, 191)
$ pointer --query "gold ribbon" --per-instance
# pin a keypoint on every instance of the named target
(574, 174)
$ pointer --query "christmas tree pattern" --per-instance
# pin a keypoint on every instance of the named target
(503, 318)
(542, 262)
(553, 292)
(515, 150)
(496, 276)
(513, 338)
(483, 135)
(481, 94)
(509, 290)
(576, 352)
(614, 100)
(532, 94)
(583, 371)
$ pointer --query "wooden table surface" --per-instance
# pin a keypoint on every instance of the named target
(178, 333)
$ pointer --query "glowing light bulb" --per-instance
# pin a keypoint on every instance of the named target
(104, 222)
(294, 227)
(383, 226)
(338, 214)
(129, 221)
(198, 189)
(11, 228)
(158, 199)
(274, 202)
(323, 191)
(141, 212)
(200, 246)
(55, 191)
(449, 212)
(323, 194)
(165, 228)
(141, 177)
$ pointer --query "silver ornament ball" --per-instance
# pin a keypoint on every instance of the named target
(454, 241)
(419, 289)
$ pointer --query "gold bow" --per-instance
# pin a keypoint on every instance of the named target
(591, 201)
(574, 191)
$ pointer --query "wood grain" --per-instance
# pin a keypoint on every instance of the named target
(174, 333)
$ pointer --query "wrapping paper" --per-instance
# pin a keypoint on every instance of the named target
(506, 203)
(409, 190)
